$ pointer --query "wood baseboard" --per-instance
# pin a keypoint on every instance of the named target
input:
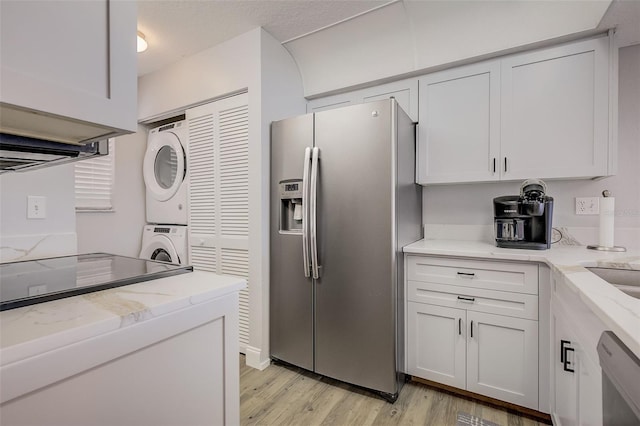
(524, 411)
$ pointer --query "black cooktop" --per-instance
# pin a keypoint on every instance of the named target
(29, 282)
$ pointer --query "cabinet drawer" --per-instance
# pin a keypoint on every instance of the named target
(475, 299)
(490, 275)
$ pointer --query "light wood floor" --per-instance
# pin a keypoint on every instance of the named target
(282, 395)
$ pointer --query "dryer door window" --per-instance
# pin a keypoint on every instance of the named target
(164, 165)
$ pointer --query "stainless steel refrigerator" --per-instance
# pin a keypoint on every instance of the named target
(343, 204)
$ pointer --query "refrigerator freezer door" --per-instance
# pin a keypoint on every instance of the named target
(291, 295)
(356, 292)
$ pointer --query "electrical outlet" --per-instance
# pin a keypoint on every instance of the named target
(587, 205)
(36, 207)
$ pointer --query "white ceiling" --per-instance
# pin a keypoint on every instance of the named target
(178, 28)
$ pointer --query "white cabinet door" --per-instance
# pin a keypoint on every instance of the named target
(404, 91)
(74, 60)
(218, 158)
(589, 391)
(564, 383)
(502, 358)
(549, 113)
(459, 124)
(436, 343)
(577, 376)
(555, 112)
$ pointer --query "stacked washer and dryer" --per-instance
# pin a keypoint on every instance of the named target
(164, 238)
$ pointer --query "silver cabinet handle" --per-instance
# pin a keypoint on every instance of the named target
(313, 213)
(305, 212)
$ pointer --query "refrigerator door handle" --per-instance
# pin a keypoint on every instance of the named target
(305, 212)
(313, 213)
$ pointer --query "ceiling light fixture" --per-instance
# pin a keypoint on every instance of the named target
(142, 43)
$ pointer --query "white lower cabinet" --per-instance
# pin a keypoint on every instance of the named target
(176, 368)
(432, 327)
(502, 358)
(576, 383)
(590, 393)
(565, 395)
(492, 355)
(472, 336)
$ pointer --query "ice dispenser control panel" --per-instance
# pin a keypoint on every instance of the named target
(291, 206)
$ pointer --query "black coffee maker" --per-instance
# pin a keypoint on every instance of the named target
(524, 221)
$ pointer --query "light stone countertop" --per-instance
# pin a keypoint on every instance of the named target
(617, 310)
(36, 329)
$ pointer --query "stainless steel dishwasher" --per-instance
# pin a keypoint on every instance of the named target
(620, 382)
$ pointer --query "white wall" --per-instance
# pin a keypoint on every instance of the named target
(257, 63)
(471, 204)
(226, 68)
(280, 97)
(120, 231)
(22, 238)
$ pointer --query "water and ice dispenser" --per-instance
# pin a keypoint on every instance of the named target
(291, 206)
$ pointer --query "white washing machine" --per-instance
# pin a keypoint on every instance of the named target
(165, 243)
(165, 171)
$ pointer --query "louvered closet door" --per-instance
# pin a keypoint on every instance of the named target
(218, 164)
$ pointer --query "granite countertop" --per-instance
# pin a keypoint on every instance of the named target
(617, 310)
(36, 329)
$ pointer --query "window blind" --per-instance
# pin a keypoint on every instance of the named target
(95, 182)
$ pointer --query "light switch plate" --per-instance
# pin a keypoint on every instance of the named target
(36, 207)
(587, 205)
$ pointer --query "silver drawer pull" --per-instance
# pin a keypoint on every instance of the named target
(466, 274)
(467, 299)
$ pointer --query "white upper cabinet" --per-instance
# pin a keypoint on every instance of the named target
(459, 124)
(68, 69)
(548, 114)
(404, 91)
(555, 112)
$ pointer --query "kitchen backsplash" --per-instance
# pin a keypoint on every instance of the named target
(564, 235)
(54, 234)
(24, 247)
